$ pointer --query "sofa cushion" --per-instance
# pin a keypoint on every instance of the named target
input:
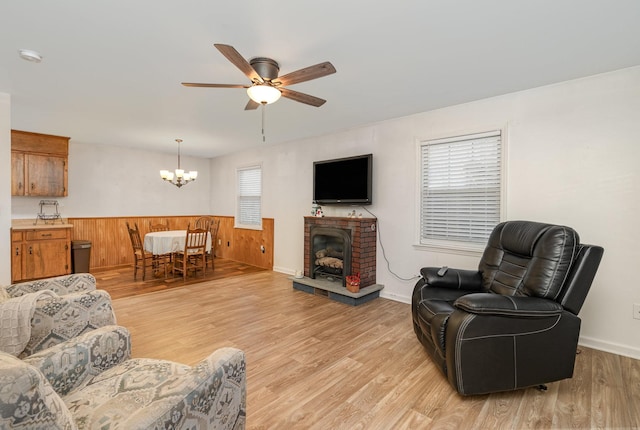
(27, 400)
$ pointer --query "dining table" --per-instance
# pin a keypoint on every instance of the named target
(168, 241)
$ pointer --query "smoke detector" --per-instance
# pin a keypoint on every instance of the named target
(29, 55)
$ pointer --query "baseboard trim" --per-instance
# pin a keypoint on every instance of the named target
(395, 297)
(614, 348)
(284, 270)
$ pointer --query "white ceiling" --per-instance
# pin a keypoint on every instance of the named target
(112, 68)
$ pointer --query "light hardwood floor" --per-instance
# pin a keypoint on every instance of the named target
(313, 363)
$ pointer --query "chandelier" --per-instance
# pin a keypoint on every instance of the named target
(181, 177)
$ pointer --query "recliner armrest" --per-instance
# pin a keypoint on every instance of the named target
(453, 279)
(496, 304)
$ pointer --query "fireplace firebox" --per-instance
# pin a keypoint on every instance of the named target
(330, 253)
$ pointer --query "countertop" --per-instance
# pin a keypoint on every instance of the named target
(30, 224)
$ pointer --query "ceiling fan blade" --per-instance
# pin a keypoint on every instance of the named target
(251, 105)
(306, 74)
(302, 97)
(239, 61)
(193, 84)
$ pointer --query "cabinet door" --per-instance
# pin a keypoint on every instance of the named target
(45, 258)
(17, 173)
(16, 261)
(46, 175)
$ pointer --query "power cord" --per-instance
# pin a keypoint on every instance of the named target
(384, 254)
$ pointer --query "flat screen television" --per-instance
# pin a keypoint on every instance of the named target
(344, 181)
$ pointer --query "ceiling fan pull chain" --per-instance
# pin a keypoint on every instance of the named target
(264, 108)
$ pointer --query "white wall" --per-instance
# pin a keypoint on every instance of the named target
(5, 189)
(106, 180)
(573, 155)
(572, 159)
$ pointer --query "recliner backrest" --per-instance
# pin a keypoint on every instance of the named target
(525, 258)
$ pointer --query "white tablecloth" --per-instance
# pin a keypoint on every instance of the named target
(164, 242)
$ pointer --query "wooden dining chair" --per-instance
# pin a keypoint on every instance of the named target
(204, 222)
(215, 226)
(142, 259)
(158, 226)
(194, 254)
(155, 226)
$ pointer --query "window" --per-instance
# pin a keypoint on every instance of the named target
(461, 182)
(249, 186)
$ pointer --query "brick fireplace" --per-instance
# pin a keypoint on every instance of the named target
(359, 234)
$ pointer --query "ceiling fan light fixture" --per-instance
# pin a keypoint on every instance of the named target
(263, 94)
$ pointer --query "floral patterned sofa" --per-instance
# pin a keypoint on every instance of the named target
(39, 314)
(90, 382)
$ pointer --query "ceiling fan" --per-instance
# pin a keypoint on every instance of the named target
(266, 86)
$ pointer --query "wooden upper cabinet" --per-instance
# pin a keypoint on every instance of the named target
(17, 173)
(46, 175)
(39, 164)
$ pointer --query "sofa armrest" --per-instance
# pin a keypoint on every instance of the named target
(70, 365)
(210, 395)
(456, 279)
(519, 306)
(62, 318)
(61, 285)
(27, 400)
(216, 389)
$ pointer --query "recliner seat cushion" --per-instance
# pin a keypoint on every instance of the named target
(528, 259)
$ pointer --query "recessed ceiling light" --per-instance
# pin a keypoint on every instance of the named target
(29, 55)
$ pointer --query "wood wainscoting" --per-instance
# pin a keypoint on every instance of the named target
(111, 247)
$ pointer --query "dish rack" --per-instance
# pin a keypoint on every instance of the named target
(48, 218)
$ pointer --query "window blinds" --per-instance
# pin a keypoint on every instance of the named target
(460, 188)
(249, 196)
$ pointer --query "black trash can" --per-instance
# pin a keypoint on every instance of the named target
(80, 253)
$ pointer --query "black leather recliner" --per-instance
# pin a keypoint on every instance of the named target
(512, 323)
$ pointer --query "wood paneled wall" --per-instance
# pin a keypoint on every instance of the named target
(111, 247)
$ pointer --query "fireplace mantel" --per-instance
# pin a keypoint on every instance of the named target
(328, 219)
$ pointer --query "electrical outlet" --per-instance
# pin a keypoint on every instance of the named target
(636, 311)
(219, 241)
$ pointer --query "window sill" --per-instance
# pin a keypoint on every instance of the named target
(247, 227)
(452, 248)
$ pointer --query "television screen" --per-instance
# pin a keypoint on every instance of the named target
(343, 181)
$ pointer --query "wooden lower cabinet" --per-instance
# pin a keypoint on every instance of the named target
(40, 253)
